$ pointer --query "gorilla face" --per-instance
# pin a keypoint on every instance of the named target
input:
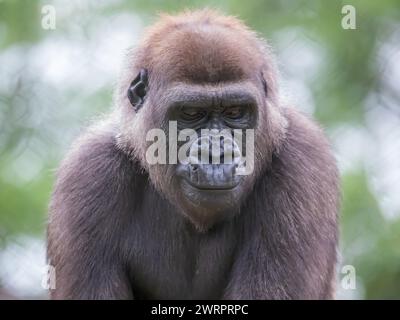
(210, 181)
(210, 184)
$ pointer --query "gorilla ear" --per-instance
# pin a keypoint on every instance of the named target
(137, 89)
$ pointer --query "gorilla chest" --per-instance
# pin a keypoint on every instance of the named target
(184, 266)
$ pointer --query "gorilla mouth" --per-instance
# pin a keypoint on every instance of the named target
(212, 177)
(214, 187)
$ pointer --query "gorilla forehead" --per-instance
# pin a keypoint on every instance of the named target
(207, 57)
(204, 52)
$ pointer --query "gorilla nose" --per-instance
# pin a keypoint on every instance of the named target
(213, 176)
(215, 150)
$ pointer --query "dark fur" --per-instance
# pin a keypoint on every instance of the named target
(113, 234)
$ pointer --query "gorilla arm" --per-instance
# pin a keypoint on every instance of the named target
(88, 204)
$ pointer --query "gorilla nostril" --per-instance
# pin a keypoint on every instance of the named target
(194, 167)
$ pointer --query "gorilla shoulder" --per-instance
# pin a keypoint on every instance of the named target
(306, 139)
(305, 160)
(94, 169)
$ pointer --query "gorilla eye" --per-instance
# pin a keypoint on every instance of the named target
(234, 113)
(192, 114)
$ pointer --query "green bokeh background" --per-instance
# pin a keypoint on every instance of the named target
(53, 82)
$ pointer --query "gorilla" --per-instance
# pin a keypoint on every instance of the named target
(122, 226)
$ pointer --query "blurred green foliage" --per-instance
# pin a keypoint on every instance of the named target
(38, 118)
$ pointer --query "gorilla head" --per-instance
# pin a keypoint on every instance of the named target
(217, 76)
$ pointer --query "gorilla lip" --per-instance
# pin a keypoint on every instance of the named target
(213, 187)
